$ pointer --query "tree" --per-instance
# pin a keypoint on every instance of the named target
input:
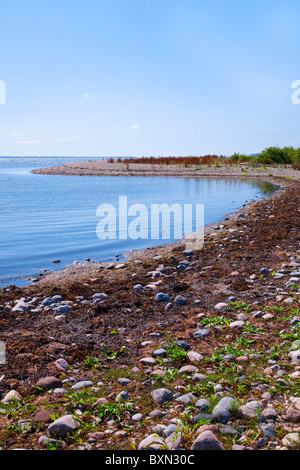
(277, 155)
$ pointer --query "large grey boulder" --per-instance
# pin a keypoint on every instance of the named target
(223, 411)
(162, 395)
(207, 441)
(251, 409)
(63, 427)
(152, 442)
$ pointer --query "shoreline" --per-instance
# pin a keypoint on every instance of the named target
(121, 341)
(83, 269)
(275, 176)
(104, 168)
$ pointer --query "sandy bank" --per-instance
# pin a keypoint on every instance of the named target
(104, 168)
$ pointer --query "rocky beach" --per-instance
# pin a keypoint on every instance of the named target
(171, 349)
(115, 168)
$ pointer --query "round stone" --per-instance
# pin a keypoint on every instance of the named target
(162, 395)
(161, 297)
(63, 426)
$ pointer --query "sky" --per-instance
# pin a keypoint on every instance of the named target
(148, 77)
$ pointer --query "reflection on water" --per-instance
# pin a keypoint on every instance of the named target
(45, 218)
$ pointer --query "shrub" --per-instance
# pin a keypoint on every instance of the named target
(277, 155)
(242, 158)
(296, 159)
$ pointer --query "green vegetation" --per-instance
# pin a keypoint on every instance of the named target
(285, 155)
(115, 411)
(238, 307)
(174, 352)
(271, 155)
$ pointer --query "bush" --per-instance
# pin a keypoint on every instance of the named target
(242, 158)
(296, 158)
(235, 157)
(283, 156)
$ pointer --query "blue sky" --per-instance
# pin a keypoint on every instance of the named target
(148, 77)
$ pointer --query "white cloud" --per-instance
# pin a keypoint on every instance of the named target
(15, 134)
(36, 142)
(87, 96)
(30, 142)
(135, 127)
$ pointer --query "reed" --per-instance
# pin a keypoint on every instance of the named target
(183, 161)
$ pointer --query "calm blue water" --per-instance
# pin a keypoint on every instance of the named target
(45, 218)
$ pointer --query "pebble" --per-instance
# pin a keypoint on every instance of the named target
(148, 361)
(187, 398)
(251, 409)
(292, 415)
(42, 416)
(175, 441)
(207, 441)
(45, 441)
(188, 369)
(236, 324)
(162, 395)
(157, 414)
(99, 297)
(22, 306)
(180, 300)
(11, 396)
(291, 441)
(64, 426)
(221, 306)
(161, 297)
(199, 377)
(294, 356)
(123, 396)
(49, 383)
(138, 287)
(264, 271)
(269, 432)
(269, 414)
(137, 417)
(59, 391)
(124, 381)
(160, 353)
(203, 405)
(152, 442)
(170, 430)
(183, 344)
(202, 333)
(188, 252)
(82, 384)
(62, 364)
(224, 409)
(194, 356)
(62, 309)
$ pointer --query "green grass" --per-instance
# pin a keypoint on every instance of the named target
(215, 321)
(115, 411)
(238, 307)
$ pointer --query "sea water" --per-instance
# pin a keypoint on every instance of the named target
(46, 218)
